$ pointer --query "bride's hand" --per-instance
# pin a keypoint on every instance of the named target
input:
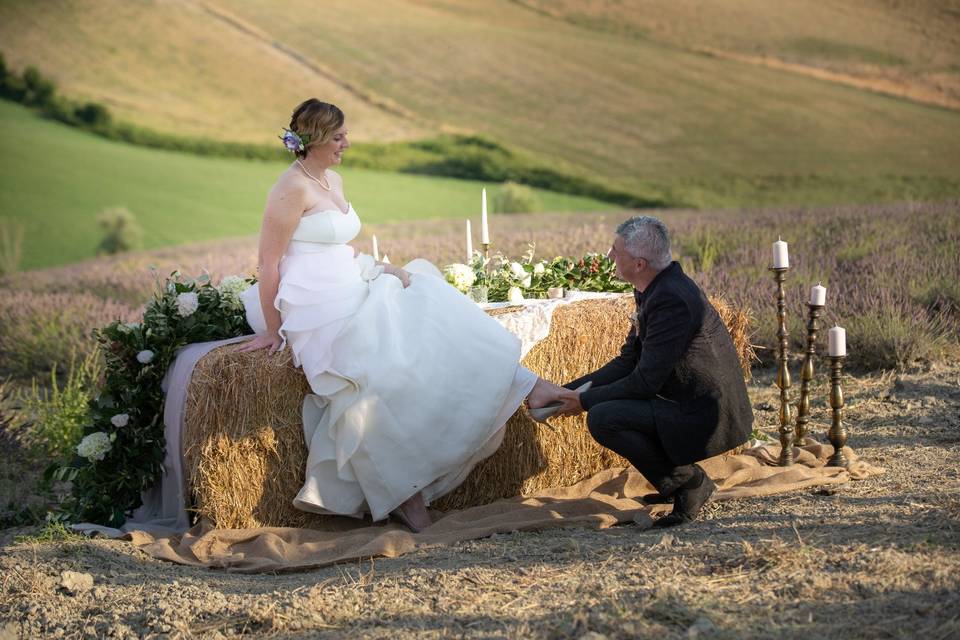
(402, 274)
(272, 342)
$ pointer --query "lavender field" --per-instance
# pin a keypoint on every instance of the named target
(892, 274)
(884, 548)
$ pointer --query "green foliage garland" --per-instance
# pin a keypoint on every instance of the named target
(123, 448)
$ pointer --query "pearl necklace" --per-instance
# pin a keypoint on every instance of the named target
(314, 178)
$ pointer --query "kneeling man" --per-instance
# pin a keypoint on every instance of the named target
(675, 395)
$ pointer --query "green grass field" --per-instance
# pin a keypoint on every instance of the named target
(619, 92)
(56, 180)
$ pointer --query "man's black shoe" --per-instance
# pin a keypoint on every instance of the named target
(688, 502)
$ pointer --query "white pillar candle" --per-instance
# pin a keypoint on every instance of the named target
(469, 243)
(837, 341)
(376, 249)
(484, 229)
(818, 295)
(780, 258)
(514, 295)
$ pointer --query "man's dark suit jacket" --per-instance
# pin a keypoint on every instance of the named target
(680, 356)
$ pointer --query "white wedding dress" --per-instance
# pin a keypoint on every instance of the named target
(411, 386)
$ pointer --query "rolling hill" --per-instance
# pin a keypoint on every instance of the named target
(696, 101)
(176, 197)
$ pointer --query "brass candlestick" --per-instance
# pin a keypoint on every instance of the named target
(486, 250)
(838, 432)
(783, 373)
(806, 374)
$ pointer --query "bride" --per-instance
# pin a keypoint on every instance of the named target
(412, 383)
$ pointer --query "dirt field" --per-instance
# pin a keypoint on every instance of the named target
(878, 558)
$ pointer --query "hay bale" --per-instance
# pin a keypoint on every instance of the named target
(243, 448)
(245, 456)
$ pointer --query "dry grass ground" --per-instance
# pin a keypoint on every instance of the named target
(874, 559)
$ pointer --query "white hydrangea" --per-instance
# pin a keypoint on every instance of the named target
(539, 269)
(230, 289)
(94, 446)
(187, 303)
(120, 420)
(145, 356)
(460, 275)
(518, 272)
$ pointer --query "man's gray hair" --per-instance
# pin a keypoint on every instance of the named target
(647, 237)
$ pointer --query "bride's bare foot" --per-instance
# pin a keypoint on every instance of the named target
(543, 393)
(414, 514)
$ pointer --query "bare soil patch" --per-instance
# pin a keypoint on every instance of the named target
(877, 558)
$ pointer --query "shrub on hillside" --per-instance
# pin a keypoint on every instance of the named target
(92, 114)
(121, 232)
(516, 198)
(11, 85)
(41, 330)
(39, 90)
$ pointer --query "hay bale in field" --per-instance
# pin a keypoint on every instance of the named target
(244, 452)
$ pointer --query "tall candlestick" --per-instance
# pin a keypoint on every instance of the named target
(837, 341)
(376, 249)
(838, 432)
(781, 259)
(818, 295)
(469, 243)
(484, 228)
(783, 373)
(806, 374)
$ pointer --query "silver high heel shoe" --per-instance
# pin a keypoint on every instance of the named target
(543, 414)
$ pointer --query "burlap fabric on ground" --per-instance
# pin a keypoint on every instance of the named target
(244, 453)
(604, 500)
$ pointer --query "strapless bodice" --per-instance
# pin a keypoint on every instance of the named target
(331, 226)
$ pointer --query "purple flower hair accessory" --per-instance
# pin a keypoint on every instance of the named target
(293, 141)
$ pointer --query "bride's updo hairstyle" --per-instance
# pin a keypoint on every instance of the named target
(315, 121)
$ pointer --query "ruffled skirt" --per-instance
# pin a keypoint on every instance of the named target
(411, 386)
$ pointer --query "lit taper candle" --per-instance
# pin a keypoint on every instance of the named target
(376, 249)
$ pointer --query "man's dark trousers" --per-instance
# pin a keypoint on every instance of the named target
(628, 428)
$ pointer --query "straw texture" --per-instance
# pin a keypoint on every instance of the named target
(243, 441)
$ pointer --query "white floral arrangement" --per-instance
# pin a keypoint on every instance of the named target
(513, 281)
(122, 449)
(460, 275)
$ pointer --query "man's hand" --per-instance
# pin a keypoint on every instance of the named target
(569, 403)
